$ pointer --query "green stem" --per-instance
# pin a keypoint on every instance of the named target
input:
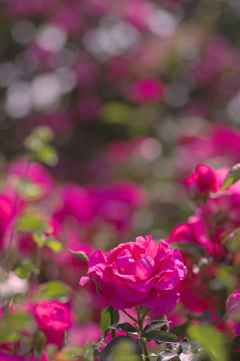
(132, 318)
(141, 318)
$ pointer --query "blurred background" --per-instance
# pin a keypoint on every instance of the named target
(136, 92)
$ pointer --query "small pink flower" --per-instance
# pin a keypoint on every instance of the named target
(140, 273)
(201, 182)
(53, 318)
(145, 89)
(233, 310)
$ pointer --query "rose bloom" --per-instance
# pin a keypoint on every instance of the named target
(53, 318)
(201, 181)
(141, 273)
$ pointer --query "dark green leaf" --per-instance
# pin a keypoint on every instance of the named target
(105, 320)
(232, 177)
(122, 348)
(54, 289)
(236, 342)
(79, 255)
(181, 329)
(161, 336)
(112, 345)
(234, 356)
(114, 316)
(154, 325)
(124, 327)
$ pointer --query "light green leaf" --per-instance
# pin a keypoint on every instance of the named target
(46, 155)
(30, 222)
(54, 245)
(211, 339)
(232, 177)
(54, 289)
(116, 112)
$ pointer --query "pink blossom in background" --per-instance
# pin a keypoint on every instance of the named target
(53, 318)
(6, 212)
(145, 89)
(75, 201)
(138, 273)
(114, 202)
(138, 13)
(233, 310)
(217, 142)
(35, 173)
(88, 107)
(85, 333)
(70, 19)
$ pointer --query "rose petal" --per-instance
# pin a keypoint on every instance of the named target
(114, 300)
(127, 293)
(162, 302)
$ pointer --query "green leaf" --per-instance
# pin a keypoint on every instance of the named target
(123, 327)
(114, 315)
(30, 222)
(22, 272)
(80, 256)
(8, 335)
(181, 329)
(161, 336)
(54, 289)
(210, 339)
(234, 356)
(39, 239)
(54, 245)
(112, 346)
(28, 189)
(43, 133)
(154, 325)
(105, 320)
(47, 155)
(116, 112)
(26, 268)
(232, 177)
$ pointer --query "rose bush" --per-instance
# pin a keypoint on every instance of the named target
(141, 273)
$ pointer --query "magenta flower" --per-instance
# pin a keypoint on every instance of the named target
(141, 273)
(201, 182)
(53, 318)
(233, 310)
(145, 89)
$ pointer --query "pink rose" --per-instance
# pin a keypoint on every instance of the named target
(233, 310)
(141, 273)
(53, 318)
